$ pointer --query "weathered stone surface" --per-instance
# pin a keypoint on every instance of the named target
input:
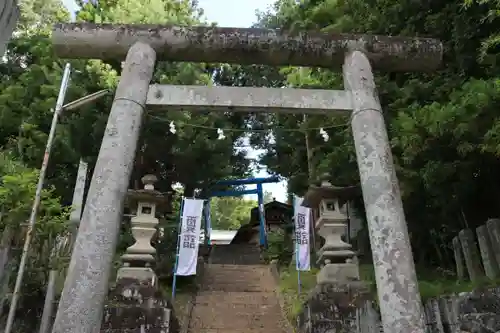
(449, 314)
(472, 312)
(245, 46)
(247, 99)
(78, 193)
(433, 317)
(332, 308)
(493, 226)
(459, 258)
(398, 294)
(134, 305)
(338, 273)
(469, 312)
(471, 254)
(9, 14)
(368, 319)
(479, 311)
(487, 253)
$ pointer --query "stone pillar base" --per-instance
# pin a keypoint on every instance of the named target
(135, 305)
(331, 308)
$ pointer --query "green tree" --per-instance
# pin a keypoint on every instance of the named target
(229, 213)
(443, 125)
(17, 190)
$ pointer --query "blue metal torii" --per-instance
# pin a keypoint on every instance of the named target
(236, 193)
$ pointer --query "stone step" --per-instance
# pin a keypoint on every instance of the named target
(237, 247)
(208, 317)
(217, 275)
(239, 279)
(249, 288)
(241, 330)
(240, 261)
(233, 325)
(213, 297)
(236, 298)
(249, 269)
(231, 309)
(238, 267)
(268, 283)
(150, 329)
(249, 276)
(235, 254)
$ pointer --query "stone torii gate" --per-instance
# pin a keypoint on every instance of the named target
(86, 286)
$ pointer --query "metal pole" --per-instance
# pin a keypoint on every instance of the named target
(179, 231)
(295, 206)
(205, 224)
(5, 245)
(36, 202)
(209, 221)
(262, 216)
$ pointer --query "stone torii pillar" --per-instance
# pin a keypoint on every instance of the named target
(9, 15)
(80, 308)
(86, 286)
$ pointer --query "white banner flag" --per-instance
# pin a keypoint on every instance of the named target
(190, 237)
(302, 217)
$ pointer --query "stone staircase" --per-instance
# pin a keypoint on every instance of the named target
(237, 298)
(235, 254)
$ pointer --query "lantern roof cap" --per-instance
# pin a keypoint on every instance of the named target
(148, 194)
(323, 189)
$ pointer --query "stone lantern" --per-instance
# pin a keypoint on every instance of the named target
(135, 303)
(330, 221)
(145, 204)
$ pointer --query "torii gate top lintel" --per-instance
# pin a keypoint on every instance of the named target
(245, 45)
(248, 181)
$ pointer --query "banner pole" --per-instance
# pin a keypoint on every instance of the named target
(174, 281)
(297, 260)
(208, 221)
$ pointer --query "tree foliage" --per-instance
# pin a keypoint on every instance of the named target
(443, 126)
(30, 80)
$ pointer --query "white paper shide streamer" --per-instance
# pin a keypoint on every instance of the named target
(302, 217)
(189, 241)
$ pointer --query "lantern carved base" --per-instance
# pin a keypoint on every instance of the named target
(338, 273)
(331, 308)
(135, 305)
(144, 275)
